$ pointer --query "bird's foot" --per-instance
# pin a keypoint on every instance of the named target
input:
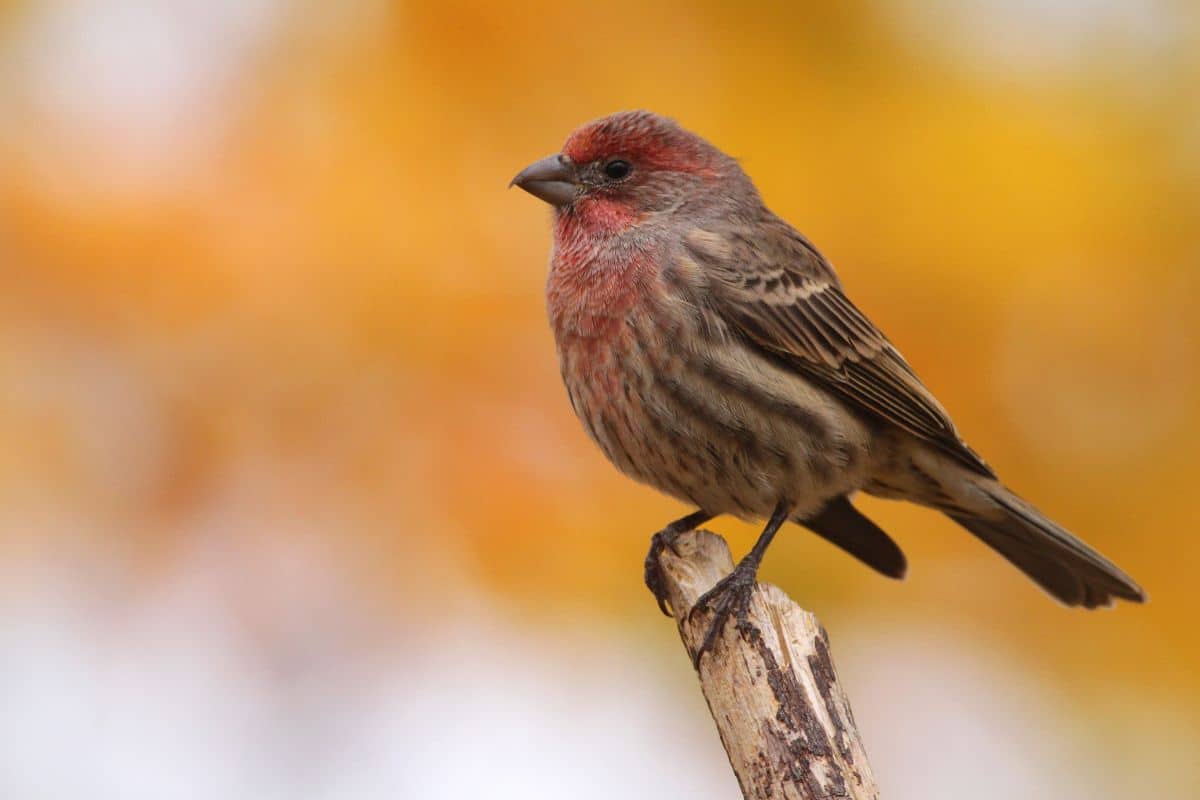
(729, 597)
(656, 582)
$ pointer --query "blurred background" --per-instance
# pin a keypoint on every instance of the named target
(292, 503)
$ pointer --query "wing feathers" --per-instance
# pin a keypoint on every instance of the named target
(785, 299)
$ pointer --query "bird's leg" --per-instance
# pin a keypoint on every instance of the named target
(731, 595)
(659, 542)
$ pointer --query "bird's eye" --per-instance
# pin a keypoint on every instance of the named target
(617, 169)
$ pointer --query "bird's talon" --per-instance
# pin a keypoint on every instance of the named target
(729, 597)
(655, 580)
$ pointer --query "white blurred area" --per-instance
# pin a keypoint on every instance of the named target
(946, 716)
(1043, 35)
(121, 97)
(185, 691)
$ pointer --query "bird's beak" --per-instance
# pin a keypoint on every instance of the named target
(552, 179)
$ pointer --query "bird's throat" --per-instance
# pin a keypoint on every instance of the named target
(596, 217)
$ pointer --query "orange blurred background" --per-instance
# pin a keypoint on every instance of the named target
(292, 503)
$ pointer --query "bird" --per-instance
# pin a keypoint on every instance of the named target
(711, 352)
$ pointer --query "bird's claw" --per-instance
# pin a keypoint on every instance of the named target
(729, 597)
(656, 582)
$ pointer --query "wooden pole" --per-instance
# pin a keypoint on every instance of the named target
(770, 685)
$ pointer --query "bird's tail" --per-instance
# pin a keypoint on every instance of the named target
(1058, 561)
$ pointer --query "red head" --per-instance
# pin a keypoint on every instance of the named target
(655, 143)
(624, 168)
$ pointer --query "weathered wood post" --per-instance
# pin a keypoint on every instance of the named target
(770, 685)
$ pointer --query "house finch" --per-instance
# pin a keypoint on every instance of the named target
(710, 351)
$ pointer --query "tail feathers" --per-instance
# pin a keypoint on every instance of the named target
(1059, 562)
(843, 525)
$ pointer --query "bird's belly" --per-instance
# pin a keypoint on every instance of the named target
(714, 426)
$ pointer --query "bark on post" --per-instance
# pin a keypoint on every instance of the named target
(770, 685)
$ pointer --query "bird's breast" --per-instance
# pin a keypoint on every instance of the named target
(675, 404)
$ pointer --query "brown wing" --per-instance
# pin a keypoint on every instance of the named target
(782, 295)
